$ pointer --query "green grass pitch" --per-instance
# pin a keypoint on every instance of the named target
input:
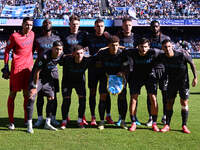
(112, 137)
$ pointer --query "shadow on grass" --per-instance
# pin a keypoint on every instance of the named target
(19, 122)
(194, 93)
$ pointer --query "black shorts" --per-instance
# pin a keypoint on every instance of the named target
(181, 86)
(103, 84)
(80, 90)
(94, 76)
(56, 85)
(161, 78)
(136, 83)
(46, 87)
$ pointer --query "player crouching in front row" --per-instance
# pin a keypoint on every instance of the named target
(74, 77)
(43, 76)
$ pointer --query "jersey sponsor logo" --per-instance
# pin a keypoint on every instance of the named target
(27, 42)
(47, 46)
(156, 45)
(129, 45)
(76, 70)
(143, 61)
(98, 45)
(51, 65)
(175, 66)
(112, 64)
(72, 41)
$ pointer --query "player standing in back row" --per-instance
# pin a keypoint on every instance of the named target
(21, 44)
(127, 39)
(73, 37)
(97, 41)
(45, 43)
(156, 37)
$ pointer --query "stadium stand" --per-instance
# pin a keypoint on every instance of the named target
(111, 9)
(173, 9)
(64, 8)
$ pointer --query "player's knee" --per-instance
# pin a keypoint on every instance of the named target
(184, 104)
(134, 97)
(67, 97)
(50, 98)
(12, 94)
(92, 91)
(32, 97)
(186, 107)
(169, 106)
(25, 93)
(81, 96)
(103, 96)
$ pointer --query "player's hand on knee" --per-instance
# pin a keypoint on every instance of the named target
(5, 72)
(194, 82)
(32, 92)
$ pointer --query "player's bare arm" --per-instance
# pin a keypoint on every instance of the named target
(193, 68)
(33, 91)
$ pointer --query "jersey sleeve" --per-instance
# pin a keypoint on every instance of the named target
(187, 56)
(9, 46)
(41, 63)
(158, 52)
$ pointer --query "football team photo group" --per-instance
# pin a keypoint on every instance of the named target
(102, 63)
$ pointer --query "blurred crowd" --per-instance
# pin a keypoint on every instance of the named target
(166, 9)
(191, 46)
(64, 8)
(17, 2)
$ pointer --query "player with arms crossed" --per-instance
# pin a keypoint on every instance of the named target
(178, 81)
(43, 80)
(21, 44)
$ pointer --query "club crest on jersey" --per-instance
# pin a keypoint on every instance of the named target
(40, 63)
